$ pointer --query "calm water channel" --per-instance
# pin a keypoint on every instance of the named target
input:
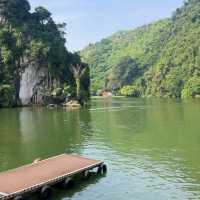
(151, 147)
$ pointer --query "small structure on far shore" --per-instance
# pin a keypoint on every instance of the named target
(105, 94)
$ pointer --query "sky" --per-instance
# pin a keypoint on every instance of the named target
(89, 21)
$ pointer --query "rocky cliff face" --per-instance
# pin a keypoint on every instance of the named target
(34, 81)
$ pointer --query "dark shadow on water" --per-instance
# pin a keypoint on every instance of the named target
(79, 185)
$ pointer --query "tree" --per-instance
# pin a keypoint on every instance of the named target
(6, 97)
(192, 88)
(42, 15)
(14, 11)
(130, 91)
(78, 72)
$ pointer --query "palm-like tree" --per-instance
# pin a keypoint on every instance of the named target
(78, 72)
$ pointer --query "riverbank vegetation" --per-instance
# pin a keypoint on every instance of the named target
(161, 59)
(34, 39)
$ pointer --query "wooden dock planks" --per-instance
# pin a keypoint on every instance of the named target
(49, 171)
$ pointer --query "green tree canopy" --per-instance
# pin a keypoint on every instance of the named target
(165, 56)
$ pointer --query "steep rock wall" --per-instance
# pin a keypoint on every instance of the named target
(33, 83)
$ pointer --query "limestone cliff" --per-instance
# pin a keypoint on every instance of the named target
(35, 65)
(34, 81)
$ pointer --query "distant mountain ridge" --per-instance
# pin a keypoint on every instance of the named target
(161, 59)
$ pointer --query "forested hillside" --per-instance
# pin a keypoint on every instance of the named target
(161, 59)
(35, 65)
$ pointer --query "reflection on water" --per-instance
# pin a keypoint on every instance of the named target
(151, 146)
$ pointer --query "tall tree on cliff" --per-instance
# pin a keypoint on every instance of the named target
(14, 11)
(78, 72)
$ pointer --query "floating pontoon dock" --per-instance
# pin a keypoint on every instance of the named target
(16, 183)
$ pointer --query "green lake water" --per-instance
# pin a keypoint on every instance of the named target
(151, 147)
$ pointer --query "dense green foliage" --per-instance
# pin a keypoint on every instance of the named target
(27, 37)
(130, 91)
(160, 59)
(122, 74)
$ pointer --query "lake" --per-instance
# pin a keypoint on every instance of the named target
(151, 147)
